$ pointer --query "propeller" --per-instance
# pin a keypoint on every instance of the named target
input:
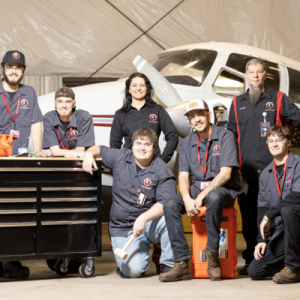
(161, 86)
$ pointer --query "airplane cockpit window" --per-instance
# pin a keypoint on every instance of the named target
(187, 67)
(239, 61)
(228, 84)
(294, 89)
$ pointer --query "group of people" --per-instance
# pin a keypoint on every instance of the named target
(145, 203)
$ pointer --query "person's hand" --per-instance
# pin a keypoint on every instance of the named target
(138, 226)
(190, 207)
(260, 249)
(88, 163)
(264, 225)
(199, 200)
(43, 154)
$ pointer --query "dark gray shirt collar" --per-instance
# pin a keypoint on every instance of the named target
(72, 123)
(22, 89)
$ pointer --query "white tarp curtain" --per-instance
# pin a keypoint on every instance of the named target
(76, 37)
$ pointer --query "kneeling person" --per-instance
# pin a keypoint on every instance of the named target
(210, 155)
(67, 132)
(142, 183)
(278, 219)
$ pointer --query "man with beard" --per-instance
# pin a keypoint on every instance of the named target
(21, 117)
(210, 154)
(250, 117)
(20, 114)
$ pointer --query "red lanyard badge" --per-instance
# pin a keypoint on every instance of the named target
(59, 138)
(283, 178)
(13, 118)
(206, 155)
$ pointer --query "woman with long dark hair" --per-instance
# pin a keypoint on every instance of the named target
(139, 110)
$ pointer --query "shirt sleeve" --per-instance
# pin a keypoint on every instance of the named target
(166, 189)
(37, 115)
(291, 199)
(170, 133)
(86, 137)
(49, 133)
(290, 111)
(116, 133)
(184, 165)
(109, 156)
(232, 121)
(296, 179)
(228, 155)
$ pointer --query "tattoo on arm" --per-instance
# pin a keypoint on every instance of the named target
(218, 181)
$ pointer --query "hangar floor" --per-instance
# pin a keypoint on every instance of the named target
(45, 284)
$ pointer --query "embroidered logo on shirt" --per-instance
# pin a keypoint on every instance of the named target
(289, 177)
(147, 182)
(74, 133)
(153, 117)
(16, 55)
(269, 105)
(217, 149)
(242, 108)
(24, 102)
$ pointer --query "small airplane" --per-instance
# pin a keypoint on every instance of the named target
(213, 71)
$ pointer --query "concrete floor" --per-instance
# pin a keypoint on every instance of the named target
(45, 284)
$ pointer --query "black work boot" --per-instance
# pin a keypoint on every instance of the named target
(214, 270)
(180, 271)
(14, 269)
(286, 275)
(244, 269)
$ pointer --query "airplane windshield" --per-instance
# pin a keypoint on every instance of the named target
(187, 67)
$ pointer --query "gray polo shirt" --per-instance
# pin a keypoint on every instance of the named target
(82, 134)
(157, 182)
(268, 194)
(222, 153)
(29, 113)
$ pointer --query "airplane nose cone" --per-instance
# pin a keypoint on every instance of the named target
(180, 121)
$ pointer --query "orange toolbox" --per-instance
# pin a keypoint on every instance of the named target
(227, 248)
(6, 141)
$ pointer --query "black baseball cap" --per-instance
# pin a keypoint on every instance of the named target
(14, 56)
(65, 92)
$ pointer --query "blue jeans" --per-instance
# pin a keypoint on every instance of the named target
(174, 208)
(137, 261)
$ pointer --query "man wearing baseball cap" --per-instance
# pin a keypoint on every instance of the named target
(21, 117)
(210, 154)
(67, 132)
(19, 110)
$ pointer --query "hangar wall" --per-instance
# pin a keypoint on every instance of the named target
(75, 38)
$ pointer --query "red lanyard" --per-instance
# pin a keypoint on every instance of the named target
(283, 178)
(206, 155)
(59, 138)
(13, 118)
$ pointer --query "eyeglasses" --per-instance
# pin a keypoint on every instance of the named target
(16, 68)
(256, 72)
(68, 102)
(278, 141)
(199, 115)
(143, 145)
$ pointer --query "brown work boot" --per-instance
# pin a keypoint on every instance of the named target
(214, 270)
(286, 275)
(180, 271)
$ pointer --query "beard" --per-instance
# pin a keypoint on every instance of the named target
(11, 82)
(255, 93)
